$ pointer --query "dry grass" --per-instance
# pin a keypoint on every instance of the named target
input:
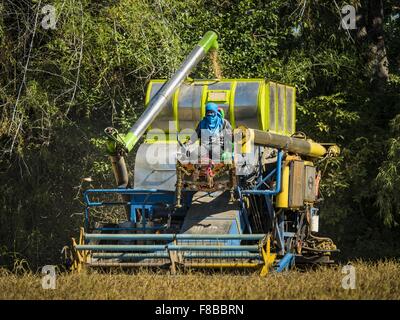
(379, 280)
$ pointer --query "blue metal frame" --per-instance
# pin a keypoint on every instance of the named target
(286, 262)
(277, 172)
(145, 200)
(243, 211)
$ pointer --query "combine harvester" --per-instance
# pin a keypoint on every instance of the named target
(253, 209)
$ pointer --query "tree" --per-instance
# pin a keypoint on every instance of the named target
(370, 35)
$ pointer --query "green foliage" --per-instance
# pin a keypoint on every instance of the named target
(387, 181)
(328, 115)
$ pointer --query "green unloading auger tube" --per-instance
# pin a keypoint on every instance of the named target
(118, 145)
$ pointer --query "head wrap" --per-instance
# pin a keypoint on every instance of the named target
(212, 122)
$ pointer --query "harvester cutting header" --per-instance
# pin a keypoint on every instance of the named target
(221, 180)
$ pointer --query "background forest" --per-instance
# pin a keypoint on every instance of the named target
(60, 87)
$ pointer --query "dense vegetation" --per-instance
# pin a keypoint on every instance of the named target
(60, 87)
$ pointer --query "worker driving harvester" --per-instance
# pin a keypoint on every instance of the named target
(215, 134)
(209, 210)
(208, 166)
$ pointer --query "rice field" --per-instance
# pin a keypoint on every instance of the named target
(378, 280)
